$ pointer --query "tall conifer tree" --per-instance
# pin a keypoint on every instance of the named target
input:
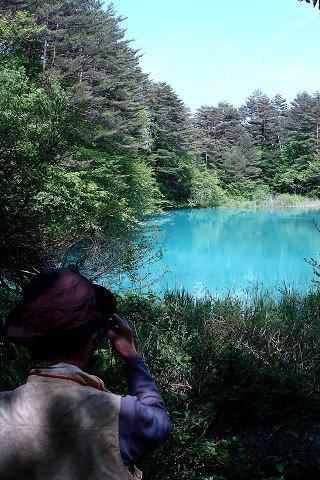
(168, 141)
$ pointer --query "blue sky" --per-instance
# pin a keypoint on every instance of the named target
(214, 50)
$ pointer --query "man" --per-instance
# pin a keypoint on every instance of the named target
(63, 424)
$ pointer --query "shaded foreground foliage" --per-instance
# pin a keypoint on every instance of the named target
(240, 378)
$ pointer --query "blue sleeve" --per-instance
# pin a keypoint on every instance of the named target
(144, 423)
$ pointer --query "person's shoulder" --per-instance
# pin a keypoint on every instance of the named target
(99, 397)
(8, 400)
(5, 395)
(8, 394)
(104, 395)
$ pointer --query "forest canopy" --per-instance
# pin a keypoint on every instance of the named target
(89, 145)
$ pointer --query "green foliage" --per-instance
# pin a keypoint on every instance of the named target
(59, 203)
(16, 27)
(14, 361)
(241, 381)
(286, 200)
(240, 377)
(109, 122)
(215, 129)
(34, 129)
(18, 31)
(240, 163)
(75, 186)
(311, 177)
(245, 189)
(205, 189)
(88, 146)
(115, 193)
(142, 189)
(168, 130)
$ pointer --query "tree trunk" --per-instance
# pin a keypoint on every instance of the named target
(54, 48)
(80, 74)
(44, 60)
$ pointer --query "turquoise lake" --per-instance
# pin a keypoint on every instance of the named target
(222, 250)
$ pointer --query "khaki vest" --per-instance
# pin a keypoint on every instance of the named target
(58, 429)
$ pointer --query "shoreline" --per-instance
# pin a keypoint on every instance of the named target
(239, 206)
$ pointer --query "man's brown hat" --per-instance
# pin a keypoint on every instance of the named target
(58, 302)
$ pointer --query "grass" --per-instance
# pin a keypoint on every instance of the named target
(268, 201)
(241, 381)
(240, 377)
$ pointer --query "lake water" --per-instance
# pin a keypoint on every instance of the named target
(231, 249)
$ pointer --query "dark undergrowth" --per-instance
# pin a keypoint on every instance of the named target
(241, 380)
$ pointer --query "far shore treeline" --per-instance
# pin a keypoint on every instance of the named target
(89, 144)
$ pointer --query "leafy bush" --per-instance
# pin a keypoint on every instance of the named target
(240, 377)
(205, 189)
(241, 381)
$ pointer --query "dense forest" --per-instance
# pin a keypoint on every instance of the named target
(89, 144)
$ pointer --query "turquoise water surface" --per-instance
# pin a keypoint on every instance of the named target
(219, 250)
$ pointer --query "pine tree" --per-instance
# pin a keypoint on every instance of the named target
(100, 186)
(300, 154)
(216, 128)
(264, 119)
(84, 47)
(281, 108)
(260, 116)
(168, 140)
(240, 164)
(303, 125)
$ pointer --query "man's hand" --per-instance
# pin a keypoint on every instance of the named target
(121, 338)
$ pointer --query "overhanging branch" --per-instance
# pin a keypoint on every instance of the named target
(314, 2)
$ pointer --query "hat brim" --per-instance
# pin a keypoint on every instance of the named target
(15, 329)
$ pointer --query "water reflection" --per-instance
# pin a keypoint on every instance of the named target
(219, 250)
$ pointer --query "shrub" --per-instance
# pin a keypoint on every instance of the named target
(240, 377)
